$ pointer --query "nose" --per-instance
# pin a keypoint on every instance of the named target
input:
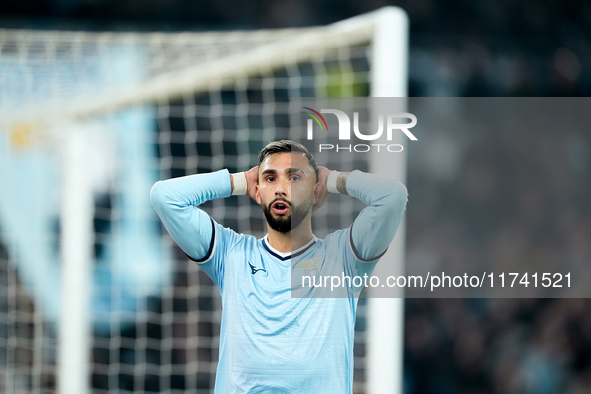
(282, 188)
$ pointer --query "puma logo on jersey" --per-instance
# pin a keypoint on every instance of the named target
(255, 270)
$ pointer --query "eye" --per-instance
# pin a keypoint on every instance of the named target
(270, 178)
(295, 178)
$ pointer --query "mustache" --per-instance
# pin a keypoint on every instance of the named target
(279, 199)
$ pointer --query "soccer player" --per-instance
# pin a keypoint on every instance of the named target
(270, 341)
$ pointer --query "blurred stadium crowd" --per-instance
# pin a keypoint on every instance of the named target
(458, 48)
(513, 197)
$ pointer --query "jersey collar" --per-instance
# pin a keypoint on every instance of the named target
(288, 255)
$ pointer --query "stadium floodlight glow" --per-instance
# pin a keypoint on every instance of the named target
(213, 99)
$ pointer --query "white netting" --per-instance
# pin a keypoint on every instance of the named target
(153, 106)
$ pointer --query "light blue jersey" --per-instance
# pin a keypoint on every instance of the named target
(271, 342)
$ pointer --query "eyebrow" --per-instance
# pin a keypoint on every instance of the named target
(290, 170)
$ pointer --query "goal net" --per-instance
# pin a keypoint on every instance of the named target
(94, 295)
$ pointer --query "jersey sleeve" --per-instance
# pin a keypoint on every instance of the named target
(373, 230)
(177, 201)
(223, 241)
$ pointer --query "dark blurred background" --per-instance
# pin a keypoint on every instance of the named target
(457, 48)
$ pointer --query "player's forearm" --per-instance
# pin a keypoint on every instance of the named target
(376, 225)
(176, 202)
(192, 190)
(373, 190)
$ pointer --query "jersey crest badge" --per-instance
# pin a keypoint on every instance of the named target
(310, 268)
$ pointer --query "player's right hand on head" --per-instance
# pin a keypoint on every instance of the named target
(252, 179)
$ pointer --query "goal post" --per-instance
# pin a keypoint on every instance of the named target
(385, 341)
(178, 103)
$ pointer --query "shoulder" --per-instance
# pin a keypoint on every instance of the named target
(339, 237)
(226, 241)
(228, 234)
(342, 241)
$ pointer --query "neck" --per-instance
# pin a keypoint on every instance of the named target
(293, 240)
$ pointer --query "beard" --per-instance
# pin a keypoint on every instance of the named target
(285, 224)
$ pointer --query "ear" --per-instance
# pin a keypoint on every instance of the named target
(257, 194)
(317, 192)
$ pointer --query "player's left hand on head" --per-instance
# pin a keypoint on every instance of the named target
(252, 180)
(322, 175)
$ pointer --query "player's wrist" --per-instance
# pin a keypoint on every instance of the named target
(239, 184)
(331, 182)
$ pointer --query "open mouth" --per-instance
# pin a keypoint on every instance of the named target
(280, 207)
